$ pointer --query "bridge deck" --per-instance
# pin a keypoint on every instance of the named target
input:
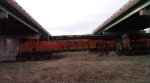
(127, 18)
(19, 21)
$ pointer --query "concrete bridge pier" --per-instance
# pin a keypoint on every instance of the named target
(8, 48)
(119, 44)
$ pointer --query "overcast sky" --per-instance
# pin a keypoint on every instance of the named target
(71, 17)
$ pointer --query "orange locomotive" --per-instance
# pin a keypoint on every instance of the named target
(35, 48)
(136, 46)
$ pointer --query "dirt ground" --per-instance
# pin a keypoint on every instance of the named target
(79, 67)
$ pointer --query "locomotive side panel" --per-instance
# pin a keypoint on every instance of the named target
(73, 45)
(92, 44)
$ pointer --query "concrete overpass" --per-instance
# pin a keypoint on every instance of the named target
(132, 17)
(15, 23)
(129, 20)
(15, 20)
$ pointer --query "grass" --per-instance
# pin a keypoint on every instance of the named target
(81, 67)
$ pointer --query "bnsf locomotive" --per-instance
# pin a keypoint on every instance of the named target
(136, 44)
(37, 48)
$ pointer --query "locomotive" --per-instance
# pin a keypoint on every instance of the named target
(136, 44)
(37, 48)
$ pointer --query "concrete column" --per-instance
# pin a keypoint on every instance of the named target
(149, 26)
(1, 46)
(119, 44)
(0, 28)
(8, 48)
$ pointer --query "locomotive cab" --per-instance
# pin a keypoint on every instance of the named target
(30, 50)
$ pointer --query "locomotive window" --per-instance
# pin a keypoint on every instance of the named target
(33, 40)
